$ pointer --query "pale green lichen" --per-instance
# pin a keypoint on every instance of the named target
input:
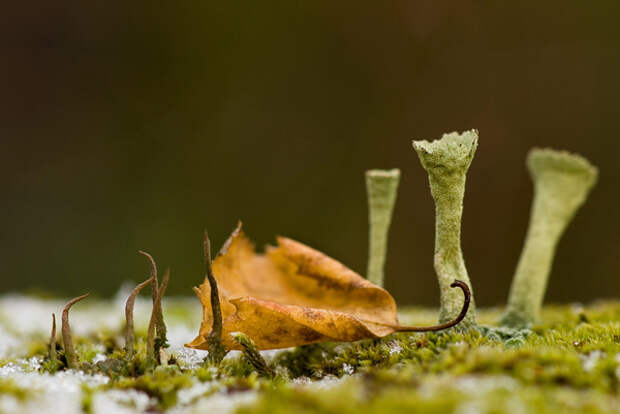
(447, 160)
(381, 186)
(562, 182)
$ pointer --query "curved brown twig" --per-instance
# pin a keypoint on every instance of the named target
(70, 355)
(129, 306)
(450, 324)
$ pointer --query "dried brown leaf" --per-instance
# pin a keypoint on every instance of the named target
(294, 295)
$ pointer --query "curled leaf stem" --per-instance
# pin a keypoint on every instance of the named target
(129, 307)
(70, 355)
(449, 324)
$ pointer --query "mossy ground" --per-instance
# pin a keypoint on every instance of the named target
(568, 363)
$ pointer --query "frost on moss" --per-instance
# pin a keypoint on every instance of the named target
(574, 356)
(562, 182)
(447, 160)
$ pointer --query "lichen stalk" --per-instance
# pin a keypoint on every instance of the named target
(129, 327)
(70, 355)
(562, 182)
(447, 161)
(150, 336)
(217, 352)
(52, 344)
(381, 188)
(160, 326)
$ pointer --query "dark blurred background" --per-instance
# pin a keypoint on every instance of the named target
(129, 127)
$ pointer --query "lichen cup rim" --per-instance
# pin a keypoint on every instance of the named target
(549, 159)
(452, 151)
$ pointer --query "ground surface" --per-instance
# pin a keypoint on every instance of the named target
(570, 363)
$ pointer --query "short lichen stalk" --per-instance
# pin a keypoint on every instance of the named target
(447, 160)
(52, 355)
(129, 327)
(160, 326)
(152, 350)
(70, 355)
(562, 182)
(217, 352)
(381, 187)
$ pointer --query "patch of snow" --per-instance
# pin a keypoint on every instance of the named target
(9, 344)
(395, 348)
(99, 357)
(187, 396)
(187, 357)
(58, 393)
(348, 369)
(590, 360)
(470, 384)
(220, 403)
(121, 402)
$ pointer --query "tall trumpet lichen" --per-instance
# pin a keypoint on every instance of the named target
(381, 186)
(562, 182)
(447, 160)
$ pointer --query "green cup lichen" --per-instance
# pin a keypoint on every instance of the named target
(381, 186)
(562, 182)
(447, 160)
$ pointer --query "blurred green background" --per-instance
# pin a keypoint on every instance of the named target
(128, 126)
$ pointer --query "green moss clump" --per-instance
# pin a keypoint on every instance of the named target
(163, 384)
(571, 362)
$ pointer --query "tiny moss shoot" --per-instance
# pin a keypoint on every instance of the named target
(381, 186)
(562, 182)
(447, 160)
(252, 355)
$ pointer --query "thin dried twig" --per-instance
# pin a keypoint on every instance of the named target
(251, 353)
(52, 345)
(150, 338)
(217, 352)
(70, 355)
(129, 306)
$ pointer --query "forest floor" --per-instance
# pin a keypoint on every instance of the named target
(568, 363)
